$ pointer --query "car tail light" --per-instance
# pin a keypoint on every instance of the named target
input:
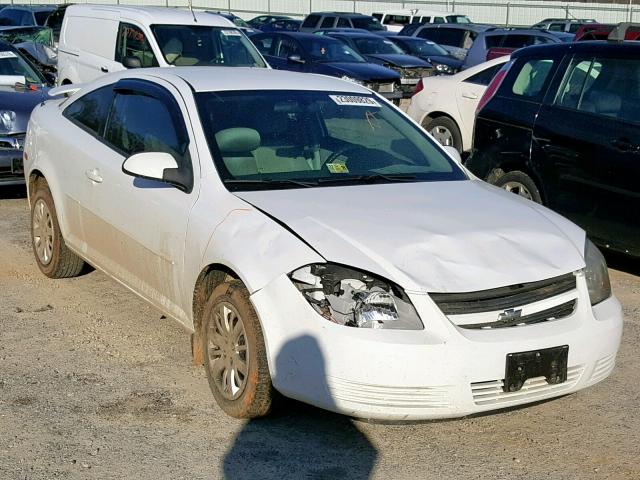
(419, 87)
(493, 86)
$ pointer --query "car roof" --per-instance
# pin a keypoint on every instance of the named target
(476, 27)
(416, 12)
(300, 36)
(152, 15)
(207, 79)
(522, 31)
(32, 8)
(590, 47)
(356, 35)
(341, 14)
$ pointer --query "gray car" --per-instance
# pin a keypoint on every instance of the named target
(569, 25)
(509, 40)
(22, 87)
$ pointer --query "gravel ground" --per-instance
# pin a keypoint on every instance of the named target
(96, 384)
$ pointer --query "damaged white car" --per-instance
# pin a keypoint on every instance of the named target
(317, 242)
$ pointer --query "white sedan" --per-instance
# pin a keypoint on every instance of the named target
(317, 243)
(445, 105)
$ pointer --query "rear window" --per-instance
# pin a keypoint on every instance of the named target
(532, 78)
(444, 36)
(397, 20)
(458, 19)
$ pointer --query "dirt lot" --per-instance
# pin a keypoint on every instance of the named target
(96, 384)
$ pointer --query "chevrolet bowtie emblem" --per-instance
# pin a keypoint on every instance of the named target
(510, 315)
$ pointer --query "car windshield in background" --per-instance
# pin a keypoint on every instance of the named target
(423, 47)
(458, 19)
(376, 46)
(188, 45)
(11, 65)
(323, 51)
(366, 23)
(294, 139)
(37, 35)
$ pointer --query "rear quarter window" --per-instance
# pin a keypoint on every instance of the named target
(529, 79)
(311, 21)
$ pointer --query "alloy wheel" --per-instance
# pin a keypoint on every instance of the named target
(519, 189)
(443, 135)
(43, 232)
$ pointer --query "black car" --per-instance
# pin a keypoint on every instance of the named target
(259, 21)
(443, 62)
(282, 25)
(305, 52)
(560, 125)
(381, 50)
(22, 87)
(323, 20)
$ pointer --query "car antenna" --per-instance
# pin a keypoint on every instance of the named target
(191, 10)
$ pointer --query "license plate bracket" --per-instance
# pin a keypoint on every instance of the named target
(17, 166)
(550, 363)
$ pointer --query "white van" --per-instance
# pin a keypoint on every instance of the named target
(95, 40)
(395, 20)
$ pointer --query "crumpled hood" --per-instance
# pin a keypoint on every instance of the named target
(458, 236)
(398, 60)
(361, 71)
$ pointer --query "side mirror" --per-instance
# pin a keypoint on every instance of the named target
(295, 59)
(453, 153)
(150, 165)
(131, 62)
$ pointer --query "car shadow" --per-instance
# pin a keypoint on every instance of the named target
(298, 440)
(12, 191)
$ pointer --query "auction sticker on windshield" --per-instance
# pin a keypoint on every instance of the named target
(354, 101)
(8, 55)
(231, 33)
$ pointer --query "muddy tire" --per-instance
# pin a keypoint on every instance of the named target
(445, 131)
(519, 183)
(235, 357)
(52, 255)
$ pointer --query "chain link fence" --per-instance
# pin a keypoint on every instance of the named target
(509, 13)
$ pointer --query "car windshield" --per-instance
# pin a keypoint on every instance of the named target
(294, 139)
(425, 47)
(376, 46)
(12, 65)
(321, 50)
(37, 35)
(238, 22)
(367, 23)
(187, 45)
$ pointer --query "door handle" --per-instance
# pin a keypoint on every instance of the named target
(94, 175)
(469, 95)
(104, 69)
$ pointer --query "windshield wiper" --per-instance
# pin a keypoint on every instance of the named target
(369, 178)
(269, 181)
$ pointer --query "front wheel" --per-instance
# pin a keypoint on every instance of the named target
(235, 357)
(519, 183)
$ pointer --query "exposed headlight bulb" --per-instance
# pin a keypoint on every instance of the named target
(374, 308)
(7, 120)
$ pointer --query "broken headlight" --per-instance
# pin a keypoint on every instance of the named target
(355, 298)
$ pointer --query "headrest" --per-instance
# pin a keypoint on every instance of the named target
(237, 140)
(172, 49)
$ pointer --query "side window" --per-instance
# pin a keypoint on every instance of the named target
(90, 111)
(492, 41)
(574, 27)
(421, 20)
(264, 44)
(485, 76)
(438, 20)
(130, 131)
(311, 21)
(532, 78)
(132, 42)
(518, 41)
(556, 27)
(287, 48)
(327, 22)
(604, 86)
(343, 23)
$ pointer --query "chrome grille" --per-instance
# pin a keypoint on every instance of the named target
(12, 142)
(503, 298)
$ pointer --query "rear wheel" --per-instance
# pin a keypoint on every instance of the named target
(519, 183)
(235, 357)
(446, 132)
(53, 256)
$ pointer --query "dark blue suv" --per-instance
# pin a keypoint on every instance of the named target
(304, 52)
(560, 125)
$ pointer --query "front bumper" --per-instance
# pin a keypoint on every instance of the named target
(11, 168)
(440, 372)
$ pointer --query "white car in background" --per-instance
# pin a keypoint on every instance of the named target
(395, 20)
(318, 243)
(445, 105)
